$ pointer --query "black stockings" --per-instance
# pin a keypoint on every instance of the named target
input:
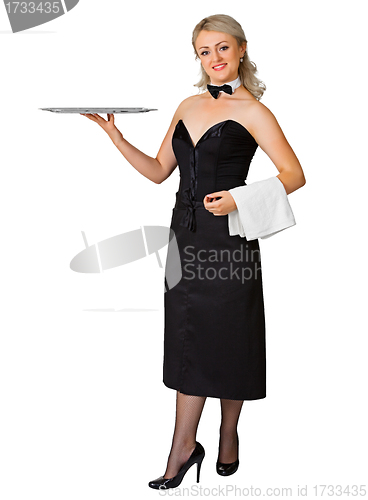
(188, 412)
(230, 411)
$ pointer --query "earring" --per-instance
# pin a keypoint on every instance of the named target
(241, 59)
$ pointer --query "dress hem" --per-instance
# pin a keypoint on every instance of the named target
(212, 396)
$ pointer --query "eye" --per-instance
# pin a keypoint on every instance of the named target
(225, 47)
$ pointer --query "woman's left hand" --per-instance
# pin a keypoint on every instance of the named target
(219, 203)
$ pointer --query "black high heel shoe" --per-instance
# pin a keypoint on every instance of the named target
(196, 457)
(228, 469)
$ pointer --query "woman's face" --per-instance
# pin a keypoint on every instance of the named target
(220, 55)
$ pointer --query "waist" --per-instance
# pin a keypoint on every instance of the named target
(179, 205)
(183, 201)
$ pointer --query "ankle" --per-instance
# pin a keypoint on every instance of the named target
(184, 446)
(228, 434)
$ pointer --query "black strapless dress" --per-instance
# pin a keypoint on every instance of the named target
(214, 337)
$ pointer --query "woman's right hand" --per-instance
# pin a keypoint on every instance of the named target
(107, 125)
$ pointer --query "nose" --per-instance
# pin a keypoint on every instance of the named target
(216, 56)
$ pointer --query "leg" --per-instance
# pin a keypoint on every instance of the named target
(188, 413)
(230, 411)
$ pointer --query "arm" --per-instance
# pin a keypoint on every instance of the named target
(268, 134)
(262, 209)
(155, 169)
(146, 165)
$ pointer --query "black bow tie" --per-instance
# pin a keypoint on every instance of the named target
(214, 90)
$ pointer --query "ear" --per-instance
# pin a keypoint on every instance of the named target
(243, 47)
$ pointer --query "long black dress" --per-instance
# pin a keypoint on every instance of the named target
(214, 337)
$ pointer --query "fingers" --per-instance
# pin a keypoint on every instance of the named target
(210, 204)
(208, 199)
(94, 116)
(98, 117)
(89, 116)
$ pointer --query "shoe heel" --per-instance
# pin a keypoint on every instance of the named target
(196, 458)
(199, 468)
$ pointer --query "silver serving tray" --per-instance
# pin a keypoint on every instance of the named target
(98, 110)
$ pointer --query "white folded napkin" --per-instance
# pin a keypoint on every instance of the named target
(263, 209)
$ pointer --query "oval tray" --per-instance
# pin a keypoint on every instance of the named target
(98, 110)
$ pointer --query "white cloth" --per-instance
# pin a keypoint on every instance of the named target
(234, 84)
(263, 209)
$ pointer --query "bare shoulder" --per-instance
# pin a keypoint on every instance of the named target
(180, 112)
(189, 103)
(262, 121)
(260, 115)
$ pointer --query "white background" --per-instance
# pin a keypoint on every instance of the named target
(84, 411)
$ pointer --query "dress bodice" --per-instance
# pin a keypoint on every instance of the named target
(218, 162)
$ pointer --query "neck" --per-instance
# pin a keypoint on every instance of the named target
(234, 83)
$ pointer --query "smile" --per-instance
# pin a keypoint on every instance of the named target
(219, 67)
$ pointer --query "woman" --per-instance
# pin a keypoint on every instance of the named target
(214, 342)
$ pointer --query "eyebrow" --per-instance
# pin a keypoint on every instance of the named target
(206, 47)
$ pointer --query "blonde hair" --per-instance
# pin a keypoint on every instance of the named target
(247, 68)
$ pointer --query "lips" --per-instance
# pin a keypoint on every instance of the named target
(219, 67)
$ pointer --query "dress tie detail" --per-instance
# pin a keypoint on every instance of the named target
(190, 203)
